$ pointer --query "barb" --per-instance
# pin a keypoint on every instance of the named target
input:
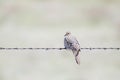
(1, 48)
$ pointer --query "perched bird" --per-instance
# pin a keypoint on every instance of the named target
(70, 42)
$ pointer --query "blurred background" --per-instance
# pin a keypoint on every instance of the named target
(43, 23)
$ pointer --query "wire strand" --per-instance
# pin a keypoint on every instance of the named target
(111, 48)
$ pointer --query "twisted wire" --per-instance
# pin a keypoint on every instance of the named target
(111, 48)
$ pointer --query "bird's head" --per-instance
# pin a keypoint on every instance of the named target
(67, 33)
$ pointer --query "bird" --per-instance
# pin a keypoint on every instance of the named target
(71, 43)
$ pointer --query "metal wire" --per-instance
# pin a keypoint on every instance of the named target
(1, 48)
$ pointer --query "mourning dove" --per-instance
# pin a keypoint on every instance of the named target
(70, 42)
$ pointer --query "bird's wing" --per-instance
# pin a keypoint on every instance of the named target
(66, 43)
(75, 43)
(71, 42)
(72, 39)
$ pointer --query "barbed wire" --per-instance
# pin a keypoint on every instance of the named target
(111, 48)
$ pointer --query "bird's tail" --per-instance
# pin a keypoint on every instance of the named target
(77, 60)
(77, 52)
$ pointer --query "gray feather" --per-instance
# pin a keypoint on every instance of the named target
(70, 42)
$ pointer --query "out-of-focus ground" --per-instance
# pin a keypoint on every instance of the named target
(43, 23)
